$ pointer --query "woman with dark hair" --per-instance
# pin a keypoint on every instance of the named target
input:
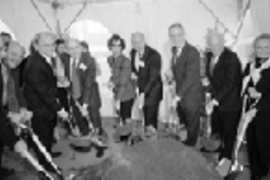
(85, 49)
(256, 87)
(120, 81)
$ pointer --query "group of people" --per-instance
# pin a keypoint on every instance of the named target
(58, 80)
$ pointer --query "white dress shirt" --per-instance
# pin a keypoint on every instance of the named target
(138, 62)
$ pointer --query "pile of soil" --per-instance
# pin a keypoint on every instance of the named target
(152, 160)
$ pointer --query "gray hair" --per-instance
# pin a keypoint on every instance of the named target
(264, 36)
(39, 35)
(176, 25)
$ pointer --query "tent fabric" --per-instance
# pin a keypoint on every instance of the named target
(152, 17)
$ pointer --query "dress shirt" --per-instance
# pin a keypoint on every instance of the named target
(138, 61)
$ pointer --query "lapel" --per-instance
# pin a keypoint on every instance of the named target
(1, 85)
(46, 64)
(133, 56)
(182, 57)
(220, 62)
(144, 58)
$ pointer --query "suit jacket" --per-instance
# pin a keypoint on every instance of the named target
(7, 135)
(186, 72)
(226, 81)
(40, 87)
(149, 78)
(121, 77)
(263, 87)
(86, 70)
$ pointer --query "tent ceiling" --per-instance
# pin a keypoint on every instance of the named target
(65, 2)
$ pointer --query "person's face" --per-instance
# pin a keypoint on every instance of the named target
(6, 39)
(46, 45)
(215, 43)
(74, 49)
(61, 48)
(2, 49)
(14, 56)
(177, 36)
(137, 42)
(262, 48)
(116, 48)
(84, 49)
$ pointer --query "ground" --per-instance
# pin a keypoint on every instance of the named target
(71, 160)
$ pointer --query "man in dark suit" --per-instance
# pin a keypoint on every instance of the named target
(12, 105)
(81, 70)
(225, 83)
(186, 74)
(146, 67)
(40, 91)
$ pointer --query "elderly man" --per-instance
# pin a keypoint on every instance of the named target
(40, 91)
(81, 70)
(186, 74)
(225, 81)
(146, 67)
(12, 107)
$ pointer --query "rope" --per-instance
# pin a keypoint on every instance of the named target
(227, 30)
(77, 15)
(41, 15)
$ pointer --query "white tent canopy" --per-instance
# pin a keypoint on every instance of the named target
(152, 17)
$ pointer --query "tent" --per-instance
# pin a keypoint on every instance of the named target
(240, 20)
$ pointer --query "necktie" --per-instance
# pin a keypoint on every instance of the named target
(212, 65)
(9, 97)
(76, 86)
(5, 80)
(259, 62)
(175, 54)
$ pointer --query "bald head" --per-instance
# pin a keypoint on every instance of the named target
(15, 54)
(74, 48)
(215, 41)
(138, 41)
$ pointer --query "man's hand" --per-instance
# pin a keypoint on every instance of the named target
(210, 106)
(62, 114)
(168, 76)
(26, 115)
(205, 82)
(63, 81)
(141, 100)
(15, 118)
(254, 93)
(110, 85)
(251, 113)
(20, 147)
(175, 101)
(134, 77)
(84, 110)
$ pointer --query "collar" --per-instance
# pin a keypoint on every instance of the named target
(47, 58)
(141, 53)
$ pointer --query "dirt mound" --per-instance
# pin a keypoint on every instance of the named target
(152, 160)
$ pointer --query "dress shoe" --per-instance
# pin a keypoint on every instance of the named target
(100, 152)
(56, 154)
(255, 177)
(189, 144)
(205, 150)
(81, 149)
